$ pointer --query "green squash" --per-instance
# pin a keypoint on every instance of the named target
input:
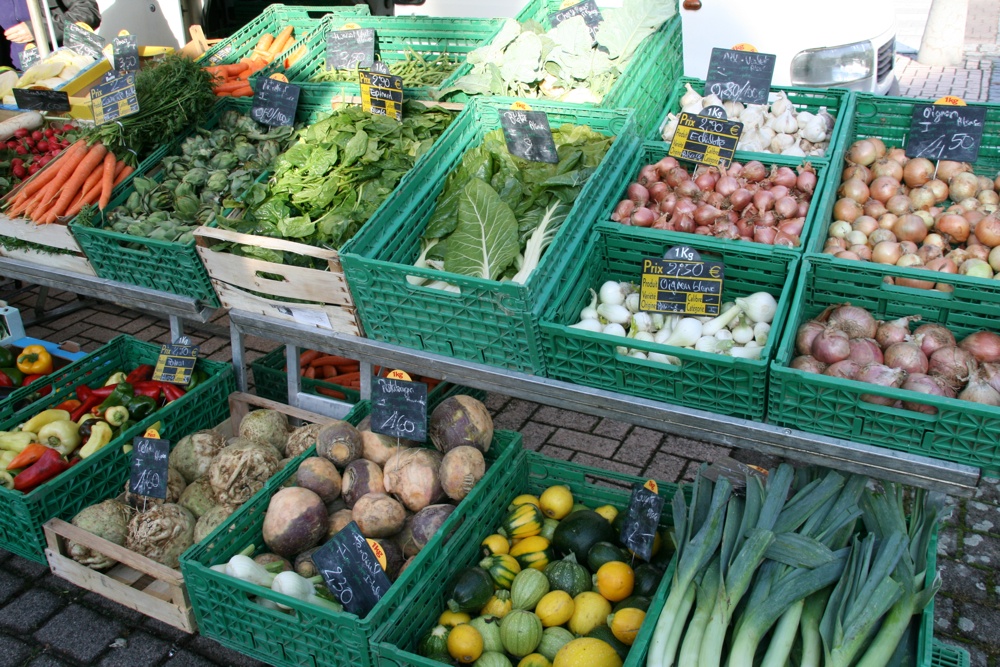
(634, 602)
(528, 588)
(579, 532)
(489, 629)
(604, 633)
(605, 552)
(647, 580)
(554, 639)
(566, 575)
(434, 642)
(549, 528)
(520, 632)
(493, 659)
(469, 590)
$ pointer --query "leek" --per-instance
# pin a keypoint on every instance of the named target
(812, 614)
(708, 588)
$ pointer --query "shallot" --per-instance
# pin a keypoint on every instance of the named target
(883, 376)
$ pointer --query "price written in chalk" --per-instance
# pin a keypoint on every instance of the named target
(351, 570)
(945, 132)
(149, 467)
(743, 76)
(126, 53)
(399, 409)
(29, 57)
(528, 135)
(175, 363)
(350, 49)
(84, 42)
(274, 102)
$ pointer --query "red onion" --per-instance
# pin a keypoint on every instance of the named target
(706, 214)
(883, 376)
(659, 191)
(668, 203)
(830, 346)
(983, 345)
(763, 200)
(953, 365)
(865, 351)
(704, 231)
(726, 186)
(784, 176)
(855, 321)
(803, 209)
(754, 172)
(925, 384)
(932, 337)
(724, 229)
(665, 165)
(685, 224)
(705, 181)
(648, 175)
(846, 369)
(740, 198)
(896, 331)
(907, 357)
(663, 223)
(766, 218)
(735, 169)
(786, 207)
(688, 188)
(676, 176)
(806, 181)
(778, 191)
(764, 234)
(638, 193)
(643, 217)
(623, 211)
(714, 199)
(979, 391)
(745, 228)
(807, 363)
(793, 226)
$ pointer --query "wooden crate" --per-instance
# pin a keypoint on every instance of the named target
(136, 581)
(240, 283)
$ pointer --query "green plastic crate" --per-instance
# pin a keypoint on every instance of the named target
(714, 382)
(104, 473)
(302, 19)
(888, 118)
(314, 636)
(428, 36)
(946, 655)
(961, 431)
(395, 645)
(836, 101)
(489, 322)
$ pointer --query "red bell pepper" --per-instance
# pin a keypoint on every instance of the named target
(149, 389)
(103, 392)
(140, 373)
(49, 465)
(172, 391)
(69, 405)
(83, 392)
(5, 381)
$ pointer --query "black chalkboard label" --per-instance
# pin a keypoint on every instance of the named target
(588, 9)
(149, 467)
(29, 57)
(528, 135)
(381, 94)
(943, 132)
(399, 409)
(350, 49)
(41, 100)
(682, 282)
(705, 140)
(126, 53)
(642, 518)
(744, 76)
(114, 99)
(274, 102)
(84, 42)
(351, 571)
(175, 363)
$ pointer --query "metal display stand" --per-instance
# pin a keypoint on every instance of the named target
(878, 462)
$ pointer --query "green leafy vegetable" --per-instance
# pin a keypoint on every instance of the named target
(484, 242)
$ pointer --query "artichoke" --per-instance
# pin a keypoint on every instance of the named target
(186, 207)
(224, 160)
(196, 177)
(218, 181)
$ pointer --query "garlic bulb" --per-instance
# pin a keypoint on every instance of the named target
(781, 104)
(733, 109)
(712, 100)
(803, 117)
(670, 127)
(815, 130)
(753, 116)
(827, 118)
(753, 141)
(767, 134)
(694, 107)
(690, 97)
(781, 142)
(784, 122)
(793, 150)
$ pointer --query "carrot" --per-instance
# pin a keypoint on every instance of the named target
(90, 197)
(310, 373)
(68, 188)
(345, 378)
(279, 43)
(332, 393)
(245, 91)
(264, 42)
(45, 176)
(121, 175)
(229, 86)
(226, 71)
(308, 356)
(107, 180)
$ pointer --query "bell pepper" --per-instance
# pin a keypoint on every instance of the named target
(140, 373)
(100, 435)
(103, 392)
(69, 405)
(121, 395)
(15, 376)
(87, 425)
(35, 359)
(197, 377)
(172, 391)
(141, 406)
(63, 436)
(5, 380)
(41, 391)
(115, 378)
(16, 441)
(6, 481)
(84, 409)
(149, 389)
(6, 357)
(116, 415)
(30, 454)
(83, 392)
(6, 457)
(44, 417)
(48, 466)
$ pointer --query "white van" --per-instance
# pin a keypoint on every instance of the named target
(818, 44)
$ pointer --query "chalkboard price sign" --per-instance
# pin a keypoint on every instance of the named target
(84, 42)
(175, 363)
(41, 100)
(126, 53)
(29, 57)
(940, 132)
(744, 76)
(705, 140)
(528, 135)
(350, 49)
(381, 94)
(399, 409)
(149, 467)
(274, 102)
(351, 570)
(641, 521)
(682, 282)
(588, 9)
(114, 99)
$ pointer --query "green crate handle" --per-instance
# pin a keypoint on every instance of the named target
(895, 412)
(924, 293)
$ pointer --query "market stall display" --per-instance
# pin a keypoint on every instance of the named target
(29, 368)
(64, 70)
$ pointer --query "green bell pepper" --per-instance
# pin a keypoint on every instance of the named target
(197, 377)
(15, 375)
(6, 358)
(122, 394)
(140, 407)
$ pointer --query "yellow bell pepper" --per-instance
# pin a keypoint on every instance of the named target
(63, 436)
(44, 417)
(16, 442)
(100, 435)
(34, 360)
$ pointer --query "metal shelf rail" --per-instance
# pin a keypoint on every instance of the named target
(878, 462)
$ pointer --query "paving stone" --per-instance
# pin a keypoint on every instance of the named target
(137, 324)
(162, 630)
(981, 550)
(639, 446)
(74, 331)
(12, 651)
(692, 449)
(10, 585)
(213, 650)
(47, 660)
(534, 435)
(58, 585)
(612, 428)
(140, 649)
(514, 415)
(944, 608)
(187, 659)
(79, 633)
(665, 467)
(977, 656)
(494, 402)
(212, 345)
(556, 452)
(963, 582)
(565, 418)
(982, 517)
(618, 466)
(111, 609)
(107, 320)
(151, 333)
(584, 442)
(29, 610)
(72, 318)
(100, 334)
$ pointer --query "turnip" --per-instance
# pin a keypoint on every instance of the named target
(193, 454)
(175, 487)
(393, 557)
(211, 520)
(378, 515)
(366, 425)
(295, 520)
(460, 420)
(421, 527)
(412, 475)
(268, 426)
(460, 470)
(338, 520)
(304, 564)
(361, 477)
(109, 521)
(161, 533)
(267, 559)
(198, 497)
(378, 448)
(340, 442)
(321, 476)
(301, 439)
(240, 470)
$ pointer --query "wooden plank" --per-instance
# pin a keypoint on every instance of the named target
(55, 236)
(125, 574)
(68, 263)
(332, 318)
(218, 234)
(240, 404)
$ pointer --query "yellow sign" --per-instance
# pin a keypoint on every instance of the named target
(743, 46)
(278, 76)
(379, 552)
(951, 100)
(381, 94)
(652, 486)
(568, 3)
(351, 26)
(520, 106)
(151, 433)
(398, 375)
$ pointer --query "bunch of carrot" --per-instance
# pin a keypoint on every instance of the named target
(234, 80)
(79, 176)
(341, 371)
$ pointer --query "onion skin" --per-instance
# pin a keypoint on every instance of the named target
(883, 376)
(865, 351)
(855, 321)
(925, 384)
(807, 363)
(980, 391)
(846, 369)
(984, 346)
(918, 172)
(952, 365)
(895, 331)
(830, 346)
(991, 374)
(906, 356)
(932, 337)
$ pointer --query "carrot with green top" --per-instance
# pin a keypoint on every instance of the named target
(68, 188)
(107, 181)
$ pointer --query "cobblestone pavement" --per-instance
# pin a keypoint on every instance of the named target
(47, 622)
